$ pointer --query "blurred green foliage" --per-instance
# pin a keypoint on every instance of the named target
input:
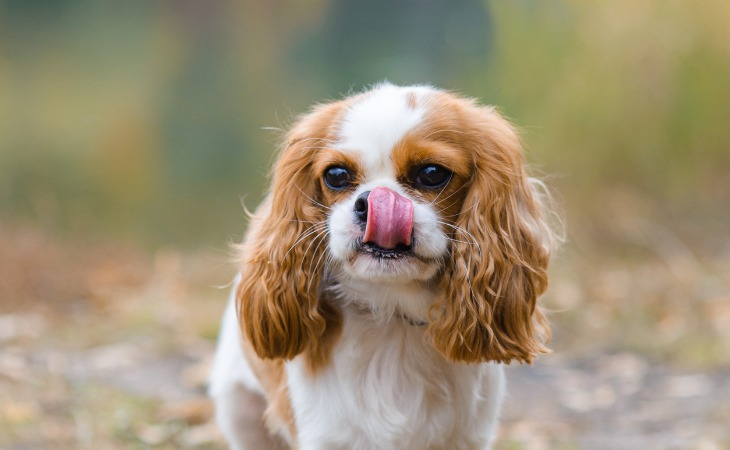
(145, 119)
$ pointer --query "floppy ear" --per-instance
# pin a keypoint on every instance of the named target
(487, 306)
(281, 256)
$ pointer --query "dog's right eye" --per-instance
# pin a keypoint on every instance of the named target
(337, 178)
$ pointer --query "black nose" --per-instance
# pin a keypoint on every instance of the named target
(361, 208)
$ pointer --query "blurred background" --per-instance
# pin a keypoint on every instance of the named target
(130, 133)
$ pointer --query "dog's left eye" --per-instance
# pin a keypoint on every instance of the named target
(432, 176)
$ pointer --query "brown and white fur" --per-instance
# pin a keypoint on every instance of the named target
(334, 339)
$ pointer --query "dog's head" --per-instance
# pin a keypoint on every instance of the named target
(402, 185)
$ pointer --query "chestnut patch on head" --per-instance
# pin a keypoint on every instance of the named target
(433, 170)
(487, 308)
(337, 173)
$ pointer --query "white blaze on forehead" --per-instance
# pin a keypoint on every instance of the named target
(374, 125)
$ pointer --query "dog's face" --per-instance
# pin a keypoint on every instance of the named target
(402, 185)
(392, 178)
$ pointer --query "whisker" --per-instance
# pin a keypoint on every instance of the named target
(459, 229)
(326, 267)
(450, 195)
(316, 138)
(448, 206)
(312, 272)
(305, 234)
(280, 130)
(440, 192)
(462, 242)
(307, 221)
(315, 202)
(457, 214)
(318, 235)
(321, 238)
(322, 257)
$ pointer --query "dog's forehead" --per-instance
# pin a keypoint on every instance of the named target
(372, 126)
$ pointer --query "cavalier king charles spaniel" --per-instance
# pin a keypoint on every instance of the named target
(389, 274)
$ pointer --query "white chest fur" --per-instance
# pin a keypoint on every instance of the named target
(386, 388)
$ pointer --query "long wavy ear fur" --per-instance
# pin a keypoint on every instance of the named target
(487, 308)
(277, 296)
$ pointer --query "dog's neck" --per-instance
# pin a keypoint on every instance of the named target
(409, 302)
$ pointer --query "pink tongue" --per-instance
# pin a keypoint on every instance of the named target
(390, 219)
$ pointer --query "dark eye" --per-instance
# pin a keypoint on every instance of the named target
(337, 178)
(432, 176)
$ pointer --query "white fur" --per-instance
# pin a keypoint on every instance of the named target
(386, 386)
(386, 389)
(374, 125)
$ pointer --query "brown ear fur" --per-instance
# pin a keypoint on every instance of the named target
(281, 255)
(487, 308)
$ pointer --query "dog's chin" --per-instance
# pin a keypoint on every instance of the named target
(392, 266)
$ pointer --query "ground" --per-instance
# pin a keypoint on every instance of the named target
(106, 347)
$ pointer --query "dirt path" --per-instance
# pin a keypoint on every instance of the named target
(123, 395)
(616, 401)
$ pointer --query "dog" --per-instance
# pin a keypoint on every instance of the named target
(392, 270)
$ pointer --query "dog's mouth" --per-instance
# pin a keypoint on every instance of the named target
(399, 264)
(399, 251)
